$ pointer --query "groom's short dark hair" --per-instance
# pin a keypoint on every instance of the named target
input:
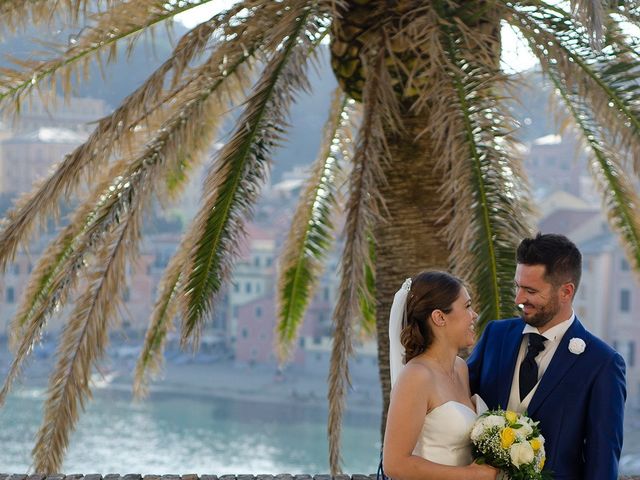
(559, 255)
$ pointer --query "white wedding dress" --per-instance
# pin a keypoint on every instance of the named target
(445, 435)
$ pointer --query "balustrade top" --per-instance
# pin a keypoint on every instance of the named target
(135, 476)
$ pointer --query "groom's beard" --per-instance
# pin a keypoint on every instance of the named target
(543, 313)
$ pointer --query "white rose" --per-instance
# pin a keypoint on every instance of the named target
(577, 346)
(521, 454)
(494, 421)
(525, 429)
(477, 431)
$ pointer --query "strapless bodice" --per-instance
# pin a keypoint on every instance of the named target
(445, 433)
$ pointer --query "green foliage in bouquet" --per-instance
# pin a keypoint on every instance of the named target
(511, 442)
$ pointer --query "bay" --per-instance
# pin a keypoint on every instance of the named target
(179, 434)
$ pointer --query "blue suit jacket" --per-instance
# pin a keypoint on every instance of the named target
(579, 401)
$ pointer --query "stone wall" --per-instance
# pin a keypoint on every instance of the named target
(284, 476)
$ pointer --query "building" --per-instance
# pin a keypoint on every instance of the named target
(76, 114)
(29, 157)
(555, 163)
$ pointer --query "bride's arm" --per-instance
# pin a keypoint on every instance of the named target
(410, 402)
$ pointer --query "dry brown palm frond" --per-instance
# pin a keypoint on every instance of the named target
(486, 206)
(113, 130)
(20, 13)
(235, 178)
(591, 13)
(380, 120)
(84, 340)
(192, 127)
(125, 22)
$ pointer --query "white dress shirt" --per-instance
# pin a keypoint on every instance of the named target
(554, 336)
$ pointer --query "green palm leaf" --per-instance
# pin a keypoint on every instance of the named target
(311, 235)
(233, 182)
(164, 312)
(618, 194)
(608, 80)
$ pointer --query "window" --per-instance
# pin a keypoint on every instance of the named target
(301, 342)
(258, 312)
(327, 292)
(245, 333)
(247, 287)
(625, 300)
(624, 265)
(631, 356)
(256, 261)
(16, 269)
(126, 295)
(269, 261)
(11, 295)
(236, 287)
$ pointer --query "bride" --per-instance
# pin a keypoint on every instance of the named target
(431, 411)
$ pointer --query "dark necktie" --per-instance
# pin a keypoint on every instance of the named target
(529, 367)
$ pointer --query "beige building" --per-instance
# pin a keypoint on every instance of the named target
(28, 157)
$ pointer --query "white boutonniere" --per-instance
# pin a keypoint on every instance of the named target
(577, 346)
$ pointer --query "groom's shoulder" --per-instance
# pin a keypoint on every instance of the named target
(504, 326)
(598, 345)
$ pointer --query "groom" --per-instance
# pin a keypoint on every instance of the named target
(547, 364)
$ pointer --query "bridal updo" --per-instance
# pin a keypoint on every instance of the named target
(430, 290)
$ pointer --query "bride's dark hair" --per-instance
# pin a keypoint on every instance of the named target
(430, 290)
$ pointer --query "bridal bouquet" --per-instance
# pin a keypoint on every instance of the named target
(510, 442)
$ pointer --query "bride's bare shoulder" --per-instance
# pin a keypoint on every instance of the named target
(417, 370)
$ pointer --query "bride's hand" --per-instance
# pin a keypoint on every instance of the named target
(482, 472)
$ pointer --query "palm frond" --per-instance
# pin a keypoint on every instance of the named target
(618, 194)
(190, 127)
(311, 234)
(224, 63)
(487, 205)
(20, 13)
(591, 13)
(121, 22)
(380, 118)
(608, 80)
(164, 312)
(83, 343)
(234, 180)
(368, 296)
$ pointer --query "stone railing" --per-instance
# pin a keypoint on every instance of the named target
(133, 476)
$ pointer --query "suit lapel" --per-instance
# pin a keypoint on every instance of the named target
(560, 364)
(508, 356)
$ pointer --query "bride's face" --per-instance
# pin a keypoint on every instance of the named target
(461, 321)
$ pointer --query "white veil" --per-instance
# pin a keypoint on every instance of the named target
(397, 321)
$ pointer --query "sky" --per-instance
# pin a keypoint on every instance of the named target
(515, 54)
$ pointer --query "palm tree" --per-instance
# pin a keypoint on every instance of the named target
(419, 128)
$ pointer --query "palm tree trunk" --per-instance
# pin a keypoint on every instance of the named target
(411, 239)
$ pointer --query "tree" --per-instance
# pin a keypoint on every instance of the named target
(419, 128)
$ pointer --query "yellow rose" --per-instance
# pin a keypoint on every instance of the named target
(511, 417)
(542, 462)
(507, 437)
(535, 444)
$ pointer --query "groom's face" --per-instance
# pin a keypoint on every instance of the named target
(537, 298)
